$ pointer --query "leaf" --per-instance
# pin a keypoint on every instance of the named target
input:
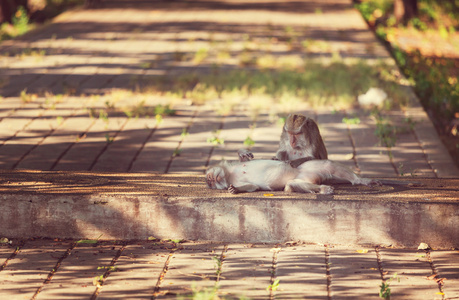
(432, 277)
(177, 241)
(249, 142)
(97, 281)
(362, 251)
(87, 242)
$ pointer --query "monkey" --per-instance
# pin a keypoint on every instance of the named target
(300, 141)
(250, 175)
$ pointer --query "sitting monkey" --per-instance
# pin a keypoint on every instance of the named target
(300, 141)
(249, 175)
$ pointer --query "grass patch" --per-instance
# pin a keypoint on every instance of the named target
(429, 61)
(314, 83)
(19, 25)
(23, 21)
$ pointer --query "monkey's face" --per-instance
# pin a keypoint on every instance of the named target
(294, 139)
(215, 178)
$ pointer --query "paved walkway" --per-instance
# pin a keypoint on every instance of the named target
(81, 94)
(69, 87)
(43, 269)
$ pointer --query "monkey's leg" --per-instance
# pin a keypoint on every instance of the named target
(301, 186)
(244, 155)
(242, 189)
(339, 171)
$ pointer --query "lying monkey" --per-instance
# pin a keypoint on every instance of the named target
(249, 175)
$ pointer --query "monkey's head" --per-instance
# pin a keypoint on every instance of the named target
(296, 126)
(216, 179)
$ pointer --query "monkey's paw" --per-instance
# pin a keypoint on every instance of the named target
(232, 189)
(245, 155)
(326, 189)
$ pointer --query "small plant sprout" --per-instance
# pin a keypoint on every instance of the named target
(159, 119)
(401, 169)
(214, 139)
(281, 121)
(177, 152)
(351, 121)
(184, 133)
(103, 115)
(218, 265)
(386, 132)
(249, 142)
(89, 241)
(411, 123)
(385, 291)
(109, 105)
(80, 137)
(98, 280)
(177, 241)
(27, 98)
(109, 268)
(199, 293)
(200, 55)
(59, 120)
(109, 139)
(274, 286)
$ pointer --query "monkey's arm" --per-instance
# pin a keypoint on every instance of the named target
(296, 162)
(281, 155)
(243, 188)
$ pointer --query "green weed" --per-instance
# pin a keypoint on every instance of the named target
(249, 142)
(202, 293)
(27, 98)
(385, 291)
(218, 265)
(290, 81)
(200, 55)
(98, 280)
(215, 140)
(109, 268)
(142, 110)
(351, 121)
(109, 139)
(19, 25)
(89, 241)
(103, 115)
(385, 130)
(177, 152)
(184, 133)
(274, 286)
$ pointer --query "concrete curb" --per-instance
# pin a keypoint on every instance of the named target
(140, 206)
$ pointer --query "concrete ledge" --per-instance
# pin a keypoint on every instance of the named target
(137, 206)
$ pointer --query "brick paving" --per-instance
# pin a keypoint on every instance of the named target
(46, 269)
(57, 82)
(71, 70)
